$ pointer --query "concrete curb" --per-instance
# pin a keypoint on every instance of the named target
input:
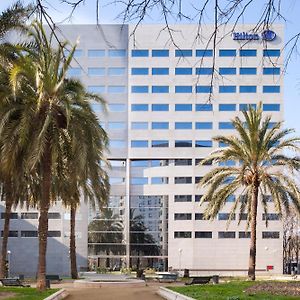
(61, 294)
(171, 295)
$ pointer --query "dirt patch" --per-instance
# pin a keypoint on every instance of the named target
(276, 288)
(6, 295)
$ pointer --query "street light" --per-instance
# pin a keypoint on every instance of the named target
(8, 267)
(180, 252)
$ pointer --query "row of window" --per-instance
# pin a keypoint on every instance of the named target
(224, 216)
(31, 215)
(224, 234)
(160, 180)
(204, 89)
(93, 71)
(31, 233)
(205, 53)
(94, 53)
(203, 71)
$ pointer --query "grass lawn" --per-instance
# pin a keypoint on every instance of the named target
(228, 291)
(22, 293)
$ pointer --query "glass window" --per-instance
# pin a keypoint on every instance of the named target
(182, 234)
(160, 107)
(160, 89)
(116, 89)
(160, 144)
(139, 107)
(139, 144)
(183, 144)
(203, 144)
(230, 198)
(226, 125)
(227, 52)
(244, 234)
(203, 89)
(183, 198)
(96, 53)
(203, 234)
(226, 235)
(96, 71)
(139, 180)
(117, 163)
(11, 215)
(271, 107)
(271, 52)
(243, 216)
(116, 71)
(13, 233)
(139, 53)
(270, 217)
(271, 71)
(247, 71)
(160, 71)
(222, 145)
(204, 52)
(227, 71)
(160, 53)
(183, 107)
(227, 89)
(247, 89)
(204, 71)
(117, 107)
(97, 89)
(198, 198)
(139, 125)
(183, 162)
(29, 215)
(117, 144)
(199, 160)
(270, 234)
(182, 216)
(271, 125)
(204, 107)
(204, 125)
(271, 89)
(135, 89)
(78, 53)
(183, 89)
(139, 163)
(198, 179)
(29, 234)
(183, 71)
(183, 180)
(183, 53)
(183, 125)
(159, 180)
(117, 53)
(116, 125)
(74, 72)
(248, 52)
(245, 107)
(160, 125)
(54, 233)
(159, 162)
(199, 216)
(227, 107)
(139, 71)
(227, 163)
(225, 216)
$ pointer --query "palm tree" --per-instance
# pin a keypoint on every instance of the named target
(261, 168)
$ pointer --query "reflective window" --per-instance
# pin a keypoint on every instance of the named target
(183, 71)
(227, 163)
(270, 234)
(54, 233)
(160, 125)
(116, 89)
(248, 52)
(117, 53)
(160, 53)
(227, 71)
(11, 233)
(245, 107)
(135, 89)
(270, 217)
(182, 216)
(198, 198)
(199, 216)
(271, 125)
(271, 71)
(183, 180)
(160, 71)
(183, 89)
(271, 89)
(225, 216)
(29, 215)
(227, 52)
(227, 107)
(247, 89)
(204, 71)
(78, 53)
(183, 125)
(159, 162)
(204, 125)
(243, 216)
(230, 198)
(139, 163)
(74, 72)
(139, 180)
(117, 163)
(159, 144)
(116, 71)
(139, 53)
(96, 71)
(198, 179)
(204, 107)
(139, 71)
(160, 107)
(183, 162)
(139, 107)
(117, 107)
(222, 145)
(183, 53)
(203, 89)
(11, 215)
(116, 125)
(160, 89)
(203, 144)
(271, 107)
(97, 89)
(204, 52)
(271, 52)
(244, 234)
(183, 107)
(116, 180)
(96, 53)
(183, 198)
(183, 144)
(139, 125)
(199, 160)
(159, 180)
(139, 144)
(203, 234)
(227, 89)
(247, 71)
(117, 144)
(226, 235)
(182, 234)
(29, 234)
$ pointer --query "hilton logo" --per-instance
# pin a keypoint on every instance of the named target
(267, 35)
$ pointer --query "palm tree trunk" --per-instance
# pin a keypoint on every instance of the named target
(8, 206)
(252, 257)
(43, 219)
(73, 262)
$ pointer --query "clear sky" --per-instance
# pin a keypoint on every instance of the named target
(110, 10)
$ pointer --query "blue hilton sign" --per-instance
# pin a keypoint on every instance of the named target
(267, 35)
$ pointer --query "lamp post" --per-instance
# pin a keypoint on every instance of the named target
(8, 263)
(180, 252)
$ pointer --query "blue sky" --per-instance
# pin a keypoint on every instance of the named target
(86, 14)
